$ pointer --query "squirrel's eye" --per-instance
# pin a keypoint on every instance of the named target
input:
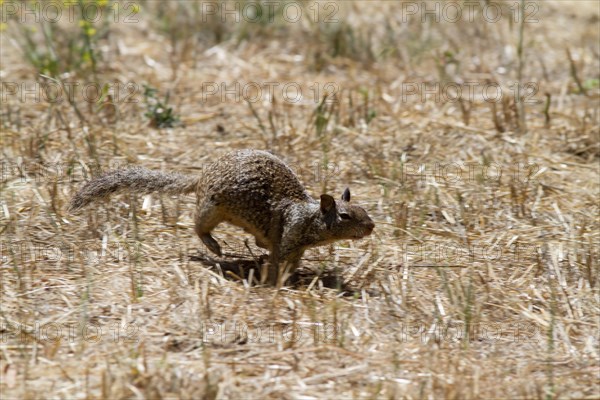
(344, 216)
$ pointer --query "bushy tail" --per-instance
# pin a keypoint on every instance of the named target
(139, 180)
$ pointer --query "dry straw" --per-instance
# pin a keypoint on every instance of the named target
(478, 286)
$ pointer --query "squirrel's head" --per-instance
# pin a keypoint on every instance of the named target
(345, 220)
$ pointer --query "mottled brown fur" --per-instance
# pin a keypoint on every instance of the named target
(254, 190)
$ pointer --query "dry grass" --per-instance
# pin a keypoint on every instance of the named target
(479, 287)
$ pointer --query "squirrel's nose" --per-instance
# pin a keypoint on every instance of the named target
(370, 226)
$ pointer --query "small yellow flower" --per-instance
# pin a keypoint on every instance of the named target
(3, 26)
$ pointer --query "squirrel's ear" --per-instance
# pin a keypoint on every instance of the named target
(346, 195)
(327, 203)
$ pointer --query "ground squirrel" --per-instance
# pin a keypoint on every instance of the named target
(251, 189)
